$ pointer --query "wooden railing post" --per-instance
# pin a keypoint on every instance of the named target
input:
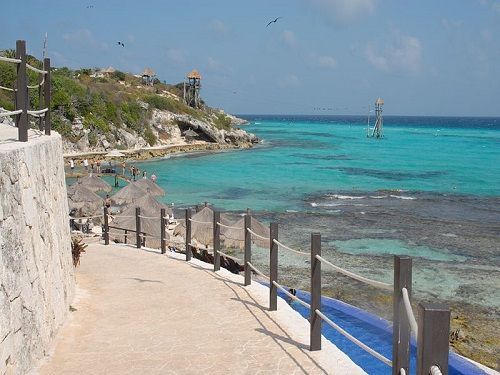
(401, 326)
(162, 232)
(126, 236)
(106, 226)
(248, 249)
(273, 266)
(138, 227)
(433, 335)
(22, 92)
(47, 95)
(314, 318)
(216, 241)
(188, 235)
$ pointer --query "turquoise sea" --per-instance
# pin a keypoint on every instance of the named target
(429, 189)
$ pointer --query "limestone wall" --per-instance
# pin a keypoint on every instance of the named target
(36, 271)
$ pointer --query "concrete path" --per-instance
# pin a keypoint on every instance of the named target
(138, 312)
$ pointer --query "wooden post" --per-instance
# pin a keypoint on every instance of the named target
(273, 266)
(216, 241)
(41, 77)
(106, 226)
(126, 235)
(433, 336)
(188, 235)
(162, 232)
(315, 319)
(22, 123)
(401, 326)
(138, 227)
(248, 249)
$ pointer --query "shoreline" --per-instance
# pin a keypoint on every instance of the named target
(147, 153)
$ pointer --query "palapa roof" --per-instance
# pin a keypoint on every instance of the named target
(148, 72)
(235, 237)
(94, 183)
(150, 186)
(149, 206)
(194, 74)
(79, 197)
(128, 194)
(379, 101)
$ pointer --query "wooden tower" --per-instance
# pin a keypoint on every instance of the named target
(192, 89)
(378, 128)
(148, 76)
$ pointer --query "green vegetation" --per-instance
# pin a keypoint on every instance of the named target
(222, 121)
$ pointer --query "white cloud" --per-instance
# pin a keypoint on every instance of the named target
(289, 81)
(344, 11)
(289, 39)
(218, 26)
(85, 38)
(403, 53)
(328, 62)
(176, 56)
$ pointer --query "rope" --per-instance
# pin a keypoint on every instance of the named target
(409, 312)
(257, 235)
(124, 216)
(8, 59)
(11, 113)
(38, 84)
(200, 222)
(435, 370)
(36, 69)
(148, 217)
(227, 226)
(257, 271)
(402, 371)
(288, 248)
(374, 283)
(39, 112)
(229, 256)
(295, 298)
(7, 88)
(377, 355)
(85, 217)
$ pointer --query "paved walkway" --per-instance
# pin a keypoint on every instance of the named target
(138, 312)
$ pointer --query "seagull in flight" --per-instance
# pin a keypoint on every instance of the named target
(276, 20)
(89, 6)
(121, 44)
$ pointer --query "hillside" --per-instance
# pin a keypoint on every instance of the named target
(96, 111)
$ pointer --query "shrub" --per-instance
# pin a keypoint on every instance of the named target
(120, 76)
(149, 136)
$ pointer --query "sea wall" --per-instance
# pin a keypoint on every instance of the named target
(36, 270)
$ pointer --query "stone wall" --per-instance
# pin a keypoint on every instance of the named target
(36, 270)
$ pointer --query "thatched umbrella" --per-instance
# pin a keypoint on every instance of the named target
(84, 200)
(150, 186)
(128, 194)
(150, 208)
(94, 183)
(235, 237)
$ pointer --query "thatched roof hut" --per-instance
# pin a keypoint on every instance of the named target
(79, 197)
(128, 194)
(150, 224)
(236, 237)
(94, 183)
(148, 72)
(194, 74)
(150, 186)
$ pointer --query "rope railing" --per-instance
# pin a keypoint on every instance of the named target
(257, 271)
(38, 84)
(409, 312)
(36, 70)
(228, 226)
(290, 249)
(11, 113)
(121, 216)
(230, 256)
(295, 298)
(200, 222)
(257, 235)
(149, 217)
(8, 89)
(10, 60)
(374, 283)
(353, 339)
(435, 370)
(38, 112)
(85, 217)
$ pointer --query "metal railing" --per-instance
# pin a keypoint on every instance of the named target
(21, 88)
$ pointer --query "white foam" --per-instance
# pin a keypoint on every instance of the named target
(339, 196)
(402, 197)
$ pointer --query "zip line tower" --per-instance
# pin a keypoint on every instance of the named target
(378, 128)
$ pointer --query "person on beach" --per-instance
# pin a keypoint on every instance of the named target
(134, 172)
(107, 201)
(72, 165)
(86, 164)
(153, 178)
(92, 165)
(98, 166)
(123, 168)
(144, 175)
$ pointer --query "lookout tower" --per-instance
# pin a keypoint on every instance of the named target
(148, 76)
(378, 128)
(192, 89)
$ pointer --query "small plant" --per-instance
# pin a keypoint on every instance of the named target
(77, 248)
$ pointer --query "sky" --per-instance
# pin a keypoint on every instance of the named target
(323, 57)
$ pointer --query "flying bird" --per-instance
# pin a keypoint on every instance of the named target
(121, 44)
(89, 6)
(276, 20)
